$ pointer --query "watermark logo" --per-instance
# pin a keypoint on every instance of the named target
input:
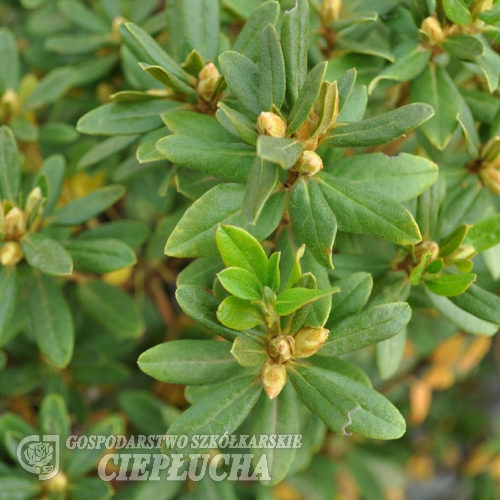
(39, 454)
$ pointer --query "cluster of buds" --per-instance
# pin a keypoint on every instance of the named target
(207, 81)
(431, 28)
(490, 165)
(283, 349)
(330, 11)
(15, 223)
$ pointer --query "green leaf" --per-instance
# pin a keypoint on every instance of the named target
(10, 167)
(51, 88)
(379, 129)
(261, 181)
(167, 78)
(457, 12)
(17, 487)
(241, 283)
(463, 319)
(389, 354)
(405, 68)
(363, 211)
(129, 231)
(112, 308)
(346, 405)
(46, 255)
(272, 79)
(105, 149)
(228, 161)
(345, 87)
(295, 44)
(285, 152)
(200, 272)
(86, 488)
(276, 416)
(51, 321)
(147, 50)
(202, 307)
(437, 89)
(124, 118)
(292, 299)
(308, 95)
(247, 42)
(355, 289)
(100, 255)
(53, 417)
(201, 23)
(401, 177)
(239, 314)
(480, 303)
(313, 219)
(490, 16)
(242, 78)
(221, 411)
(448, 285)
(485, 234)
(273, 272)
(81, 210)
(9, 78)
(366, 328)
(243, 126)
(248, 352)
(189, 362)
(194, 235)
(83, 17)
(463, 47)
(76, 44)
(418, 271)
(8, 293)
(453, 241)
(343, 367)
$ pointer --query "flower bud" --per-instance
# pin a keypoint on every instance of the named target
(491, 179)
(207, 80)
(330, 11)
(271, 124)
(491, 152)
(58, 484)
(462, 252)
(273, 378)
(309, 340)
(10, 253)
(309, 163)
(432, 28)
(426, 247)
(32, 200)
(15, 224)
(281, 348)
(115, 28)
(10, 105)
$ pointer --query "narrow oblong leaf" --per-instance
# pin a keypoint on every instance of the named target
(243, 126)
(10, 167)
(449, 285)
(364, 211)
(272, 79)
(313, 219)
(485, 234)
(345, 405)
(247, 42)
(380, 129)
(463, 47)
(242, 78)
(480, 303)
(46, 255)
(457, 11)
(281, 150)
(248, 352)
(294, 298)
(83, 209)
(189, 362)
(201, 22)
(220, 412)
(112, 308)
(8, 294)
(11, 70)
(51, 321)
(366, 328)
(239, 314)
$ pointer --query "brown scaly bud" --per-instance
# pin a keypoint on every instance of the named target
(15, 224)
(330, 11)
(271, 124)
(491, 179)
(207, 80)
(426, 247)
(273, 378)
(432, 28)
(10, 253)
(306, 132)
(281, 348)
(309, 340)
(309, 163)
